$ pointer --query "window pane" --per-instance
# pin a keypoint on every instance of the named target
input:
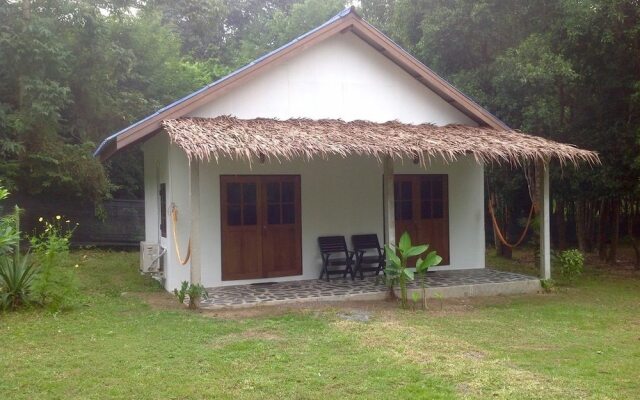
(249, 193)
(249, 215)
(288, 192)
(396, 190)
(273, 192)
(438, 188)
(406, 210)
(425, 209)
(233, 215)
(288, 214)
(425, 189)
(406, 190)
(438, 209)
(397, 208)
(233, 193)
(273, 214)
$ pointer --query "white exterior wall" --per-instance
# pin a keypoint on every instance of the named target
(344, 197)
(167, 164)
(341, 78)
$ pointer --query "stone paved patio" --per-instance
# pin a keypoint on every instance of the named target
(468, 282)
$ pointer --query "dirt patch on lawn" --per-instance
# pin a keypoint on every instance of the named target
(157, 300)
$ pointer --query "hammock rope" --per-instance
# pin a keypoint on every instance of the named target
(174, 219)
(499, 233)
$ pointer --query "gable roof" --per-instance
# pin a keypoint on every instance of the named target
(346, 20)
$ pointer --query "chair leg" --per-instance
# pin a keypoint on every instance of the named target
(325, 270)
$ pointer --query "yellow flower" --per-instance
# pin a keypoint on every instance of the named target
(76, 265)
(40, 219)
(58, 217)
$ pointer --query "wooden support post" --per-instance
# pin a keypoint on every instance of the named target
(545, 234)
(194, 200)
(389, 206)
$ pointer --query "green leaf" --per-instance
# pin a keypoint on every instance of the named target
(392, 258)
(432, 259)
(416, 251)
(409, 274)
(405, 242)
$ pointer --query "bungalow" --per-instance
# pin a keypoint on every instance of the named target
(338, 132)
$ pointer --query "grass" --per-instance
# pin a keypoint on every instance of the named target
(125, 341)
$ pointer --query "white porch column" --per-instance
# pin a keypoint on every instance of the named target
(194, 200)
(389, 212)
(545, 236)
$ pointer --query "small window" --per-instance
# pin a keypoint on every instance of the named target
(162, 193)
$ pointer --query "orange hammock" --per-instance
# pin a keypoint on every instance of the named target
(174, 219)
(497, 228)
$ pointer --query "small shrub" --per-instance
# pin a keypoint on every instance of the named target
(571, 263)
(16, 281)
(17, 273)
(548, 285)
(182, 293)
(195, 292)
(56, 285)
(397, 270)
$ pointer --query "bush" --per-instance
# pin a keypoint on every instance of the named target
(571, 263)
(56, 285)
(17, 275)
(195, 292)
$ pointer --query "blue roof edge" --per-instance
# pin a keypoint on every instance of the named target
(110, 138)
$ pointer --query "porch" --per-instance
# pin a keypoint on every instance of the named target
(455, 283)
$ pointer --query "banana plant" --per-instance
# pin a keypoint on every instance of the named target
(422, 266)
(397, 270)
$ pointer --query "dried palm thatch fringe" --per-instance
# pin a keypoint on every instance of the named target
(206, 138)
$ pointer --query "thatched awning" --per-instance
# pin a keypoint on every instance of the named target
(206, 138)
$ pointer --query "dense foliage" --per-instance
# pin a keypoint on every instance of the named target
(72, 72)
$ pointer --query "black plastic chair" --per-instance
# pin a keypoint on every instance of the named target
(370, 257)
(335, 253)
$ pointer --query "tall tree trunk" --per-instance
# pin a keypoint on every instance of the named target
(602, 230)
(561, 225)
(582, 231)
(615, 231)
(634, 243)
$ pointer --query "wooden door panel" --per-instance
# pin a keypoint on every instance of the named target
(241, 232)
(422, 209)
(241, 258)
(404, 207)
(433, 215)
(281, 229)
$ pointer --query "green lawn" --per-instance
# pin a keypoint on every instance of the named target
(581, 342)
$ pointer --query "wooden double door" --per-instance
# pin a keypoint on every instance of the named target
(422, 209)
(261, 226)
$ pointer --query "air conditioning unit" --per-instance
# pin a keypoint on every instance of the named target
(150, 254)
